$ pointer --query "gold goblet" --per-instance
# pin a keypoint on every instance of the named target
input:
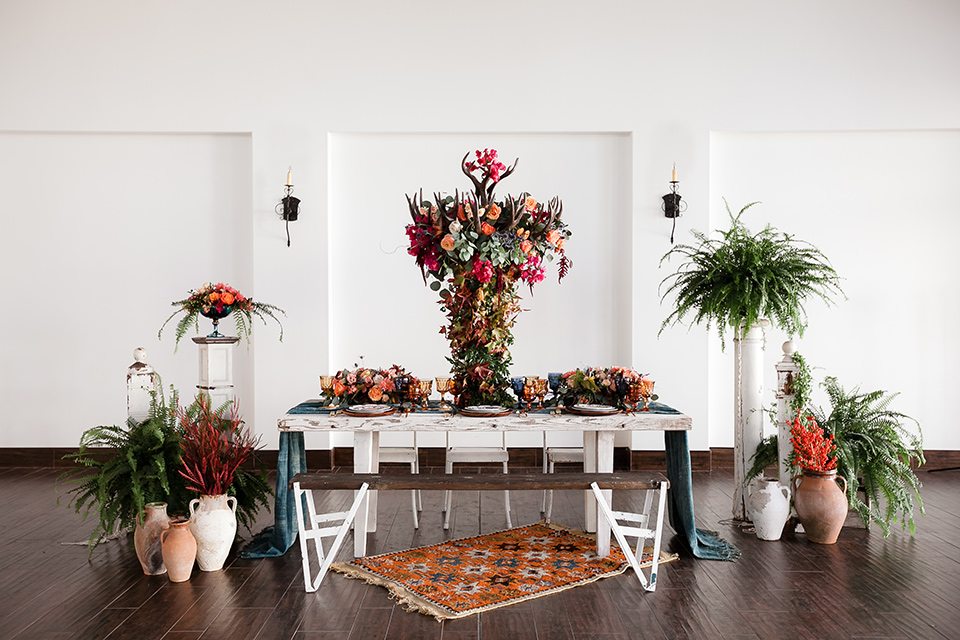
(646, 391)
(443, 385)
(426, 388)
(326, 385)
(540, 389)
(529, 390)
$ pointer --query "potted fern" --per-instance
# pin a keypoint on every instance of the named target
(119, 470)
(875, 452)
(745, 281)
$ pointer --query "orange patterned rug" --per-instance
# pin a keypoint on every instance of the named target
(458, 578)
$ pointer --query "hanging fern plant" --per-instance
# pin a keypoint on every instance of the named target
(740, 278)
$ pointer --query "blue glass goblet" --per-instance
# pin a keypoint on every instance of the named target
(517, 385)
(554, 380)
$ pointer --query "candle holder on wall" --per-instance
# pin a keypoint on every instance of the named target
(673, 205)
(289, 207)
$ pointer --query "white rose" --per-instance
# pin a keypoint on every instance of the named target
(455, 226)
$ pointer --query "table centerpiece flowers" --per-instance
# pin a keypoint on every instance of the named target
(474, 250)
(365, 385)
(599, 385)
(217, 301)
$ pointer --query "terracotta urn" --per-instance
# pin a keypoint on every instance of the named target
(146, 538)
(213, 522)
(768, 507)
(821, 504)
(179, 550)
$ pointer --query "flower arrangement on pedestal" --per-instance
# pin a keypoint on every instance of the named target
(475, 249)
(216, 301)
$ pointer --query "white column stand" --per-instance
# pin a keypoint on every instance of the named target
(216, 368)
(747, 408)
(786, 372)
(142, 380)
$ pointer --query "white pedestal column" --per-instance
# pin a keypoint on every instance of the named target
(747, 408)
(786, 371)
(216, 368)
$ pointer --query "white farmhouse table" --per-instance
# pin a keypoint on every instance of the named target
(598, 436)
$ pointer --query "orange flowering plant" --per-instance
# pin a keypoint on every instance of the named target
(474, 249)
(216, 301)
(812, 448)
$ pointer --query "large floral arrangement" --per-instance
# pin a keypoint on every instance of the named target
(363, 385)
(597, 385)
(218, 301)
(473, 249)
(812, 449)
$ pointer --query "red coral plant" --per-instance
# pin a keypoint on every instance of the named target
(811, 447)
(213, 447)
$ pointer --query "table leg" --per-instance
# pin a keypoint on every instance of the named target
(366, 459)
(590, 466)
(604, 465)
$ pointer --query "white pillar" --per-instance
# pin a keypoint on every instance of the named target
(748, 408)
(142, 381)
(786, 373)
(216, 368)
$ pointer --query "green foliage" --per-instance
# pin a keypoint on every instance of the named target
(740, 278)
(119, 470)
(139, 466)
(801, 385)
(765, 456)
(874, 446)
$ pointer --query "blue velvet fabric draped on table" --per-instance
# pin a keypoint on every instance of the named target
(275, 540)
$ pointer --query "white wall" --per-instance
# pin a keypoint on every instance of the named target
(287, 77)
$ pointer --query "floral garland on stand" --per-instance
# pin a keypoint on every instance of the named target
(474, 249)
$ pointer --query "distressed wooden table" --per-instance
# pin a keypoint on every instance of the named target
(598, 436)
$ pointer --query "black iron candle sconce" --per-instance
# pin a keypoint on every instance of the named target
(289, 207)
(673, 205)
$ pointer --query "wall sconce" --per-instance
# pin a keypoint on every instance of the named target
(289, 207)
(673, 205)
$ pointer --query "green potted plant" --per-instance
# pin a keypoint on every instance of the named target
(874, 453)
(217, 301)
(740, 278)
(119, 470)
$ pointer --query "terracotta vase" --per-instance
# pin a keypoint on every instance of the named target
(146, 538)
(179, 550)
(821, 504)
(768, 507)
(214, 525)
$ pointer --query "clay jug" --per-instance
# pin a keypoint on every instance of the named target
(821, 504)
(146, 538)
(214, 525)
(179, 550)
(768, 508)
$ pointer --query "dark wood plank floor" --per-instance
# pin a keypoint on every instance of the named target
(865, 586)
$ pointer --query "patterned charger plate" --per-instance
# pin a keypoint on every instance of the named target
(485, 411)
(369, 410)
(593, 409)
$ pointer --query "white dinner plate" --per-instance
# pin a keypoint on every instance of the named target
(595, 408)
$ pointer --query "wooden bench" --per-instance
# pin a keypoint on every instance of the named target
(309, 524)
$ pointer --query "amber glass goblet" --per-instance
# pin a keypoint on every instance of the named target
(426, 388)
(443, 385)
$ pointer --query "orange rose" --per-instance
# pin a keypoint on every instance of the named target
(338, 388)
(213, 297)
(448, 242)
(486, 229)
(560, 243)
(375, 393)
(531, 204)
(227, 298)
(553, 236)
(525, 246)
(494, 212)
(460, 213)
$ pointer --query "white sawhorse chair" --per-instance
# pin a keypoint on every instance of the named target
(411, 456)
(476, 455)
(643, 532)
(309, 529)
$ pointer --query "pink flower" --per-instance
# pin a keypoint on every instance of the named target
(531, 271)
(431, 263)
(483, 270)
